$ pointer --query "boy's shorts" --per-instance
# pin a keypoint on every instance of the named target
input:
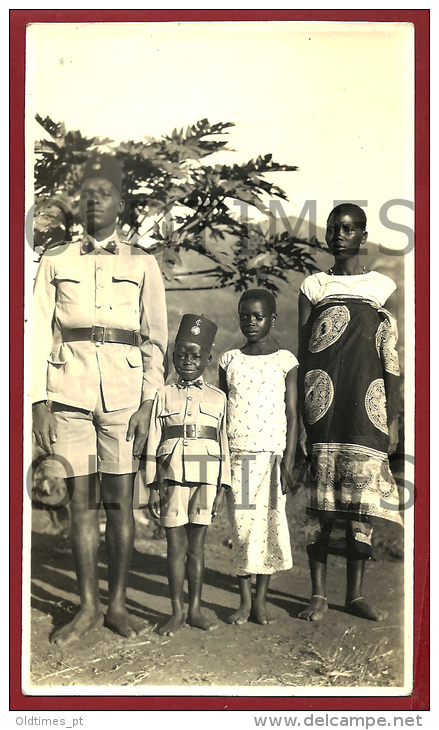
(181, 504)
(90, 441)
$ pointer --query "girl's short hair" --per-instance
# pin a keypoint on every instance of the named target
(351, 209)
(262, 295)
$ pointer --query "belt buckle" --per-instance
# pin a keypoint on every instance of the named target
(192, 430)
(98, 334)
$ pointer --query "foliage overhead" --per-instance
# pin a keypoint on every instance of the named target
(177, 205)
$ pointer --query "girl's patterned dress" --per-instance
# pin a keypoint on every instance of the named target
(256, 429)
(349, 391)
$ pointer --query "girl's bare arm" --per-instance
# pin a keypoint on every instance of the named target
(222, 381)
(287, 463)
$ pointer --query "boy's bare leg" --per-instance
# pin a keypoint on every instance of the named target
(175, 565)
(84, 535)
(117, 498)
(196, 535)
(245, 591)
(259, 606)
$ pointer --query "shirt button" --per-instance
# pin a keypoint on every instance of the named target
(189, 397)
(98, 306)
(185, 443)
(98, 268)
(189, 413)
(98, 344)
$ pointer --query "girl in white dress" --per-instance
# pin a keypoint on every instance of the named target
(260, 382)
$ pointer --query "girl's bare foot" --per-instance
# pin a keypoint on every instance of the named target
(259, 614)
(315, 610)
(198, 621)
(360, 607)
(120, 621)
(241, 616)
(83, 622)
(171, 627)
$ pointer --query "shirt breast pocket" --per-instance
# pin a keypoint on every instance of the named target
(166, 416)
(126, 288)
(210, 414)
(68, 288)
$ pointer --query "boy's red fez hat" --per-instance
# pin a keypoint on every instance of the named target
(106, 166)
(198, 329)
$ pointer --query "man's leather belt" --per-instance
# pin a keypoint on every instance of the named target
(100, 334)
(190, 431)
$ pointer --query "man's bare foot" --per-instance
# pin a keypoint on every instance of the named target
(315, 610)
(360, 607)
(174, 624)
(120, 621)
(198, 621)
(83, 622)
(241, 616)
(259, 615)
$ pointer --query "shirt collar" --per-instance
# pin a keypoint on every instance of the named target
(182, 383)
(110, 244)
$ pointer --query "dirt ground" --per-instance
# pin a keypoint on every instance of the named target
(339, 651)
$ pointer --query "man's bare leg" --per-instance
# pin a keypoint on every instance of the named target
(117, 498)
(85, 537)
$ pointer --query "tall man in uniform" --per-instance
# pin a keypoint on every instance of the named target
(100, 336)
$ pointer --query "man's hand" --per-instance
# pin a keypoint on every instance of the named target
(44, 426)
(138, 427)
(154, 503)
(218, 502)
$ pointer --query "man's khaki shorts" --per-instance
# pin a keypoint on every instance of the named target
(90, 441)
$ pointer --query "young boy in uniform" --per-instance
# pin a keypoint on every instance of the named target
(188, 466)
(100, 336)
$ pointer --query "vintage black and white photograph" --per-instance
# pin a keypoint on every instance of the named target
(219, 345)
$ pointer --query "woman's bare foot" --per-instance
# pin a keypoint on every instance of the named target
(198, 621)
(360, 607)
(83, 622)
(259, 614)
(174, 624)
(315, 610)
(241, 616)
(120, 621)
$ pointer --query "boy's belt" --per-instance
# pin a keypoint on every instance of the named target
(190, 431)
(100, 334)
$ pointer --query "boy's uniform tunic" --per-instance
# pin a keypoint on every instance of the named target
(187, 442)
(100, 326)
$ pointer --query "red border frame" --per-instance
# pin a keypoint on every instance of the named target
(419, 700)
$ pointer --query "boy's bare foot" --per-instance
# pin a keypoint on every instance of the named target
(83, 622)
(198, 621)
(360, 607)
(241, 616)
(174, 624)
(315, 610)
(259, 615)
(120, 621)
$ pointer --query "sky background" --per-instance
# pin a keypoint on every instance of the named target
(335, 99)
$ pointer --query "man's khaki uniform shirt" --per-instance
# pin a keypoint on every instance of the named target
(79, 287)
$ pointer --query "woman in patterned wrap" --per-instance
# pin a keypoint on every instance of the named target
(349, 403)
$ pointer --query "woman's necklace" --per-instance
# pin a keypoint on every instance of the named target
(340, 273)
